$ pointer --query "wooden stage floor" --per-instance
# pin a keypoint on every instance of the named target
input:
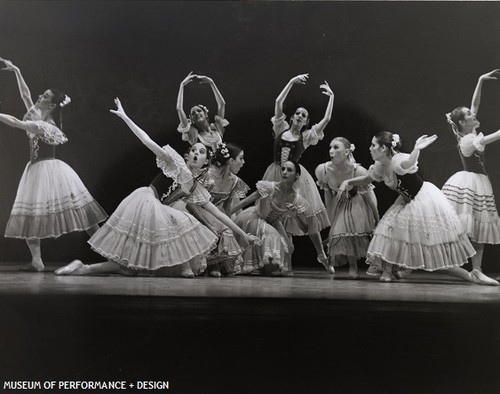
(304, 334)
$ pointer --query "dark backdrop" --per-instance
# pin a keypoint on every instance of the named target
(398, 66)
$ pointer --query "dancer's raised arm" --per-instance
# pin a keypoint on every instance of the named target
(221, 103)
(23, 87)
(278, 106)
(329, 108)
(421, 143)
(183, 119)
(476, 97)
(11, 121)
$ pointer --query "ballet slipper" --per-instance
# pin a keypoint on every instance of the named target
(187, 273)
(386, 277)
(214, 274)
(31, 268)
(481, 279)
(373, 270)
(403, 273)
(70, 268)
(324, 261)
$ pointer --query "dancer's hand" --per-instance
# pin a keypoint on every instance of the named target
(326, 89)
(9, 66)
(120, 112)
(300, 79)
(491, 75)
(424, 141)
(343, 191)
(190, 77)
(204, 79)
(253, 239)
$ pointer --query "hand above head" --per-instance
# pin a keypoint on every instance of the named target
(190, 77)
(326, 89)
(424, 141)
(204, 79)
(491, 75)
(120, 112)
(9, 66)
(300, 79)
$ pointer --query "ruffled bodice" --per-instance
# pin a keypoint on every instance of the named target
(209, 138)
(406, 182)
(225, 188)
(43, 139)
(471, 150)
(271, 210)
(287, 149)
(328, 179)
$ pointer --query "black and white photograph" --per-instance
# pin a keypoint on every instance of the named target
(249, 196)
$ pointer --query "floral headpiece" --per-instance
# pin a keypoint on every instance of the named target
(205, 109)
(453, 125)
(223, 150)
(352, 147)
(395, 140)
(65, 102)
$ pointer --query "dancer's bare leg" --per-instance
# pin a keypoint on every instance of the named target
(476, 276)
(318, 245)
(478, 257)
(36, 256)
(353, 267)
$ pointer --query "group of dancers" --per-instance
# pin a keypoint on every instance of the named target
(195, 216)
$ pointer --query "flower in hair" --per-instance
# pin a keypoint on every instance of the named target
(448, 118)
(395, 140)
(223, 150)
(205, 109)
(352, 147)
(65, 102)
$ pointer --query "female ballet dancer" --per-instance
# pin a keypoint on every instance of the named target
(51, 199)
(198, 127)
(290, 141)
(352, 215)
(274, 202)
(145, 235)
(421, 229)
(228, 187)
(469, 191)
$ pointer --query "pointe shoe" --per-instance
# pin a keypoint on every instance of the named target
(214, 274)
(187, 273)
(323, 260)
(386, 277)
(481, 279)
(373, 270)
(403, 273)
(70, 268)
(31, 268)
(353, 274)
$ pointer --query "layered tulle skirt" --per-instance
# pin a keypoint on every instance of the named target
(144, 234)
(352, 224)
(273, 246)
(425, 233)
(51, 201)
(317, 217)
(471, 195)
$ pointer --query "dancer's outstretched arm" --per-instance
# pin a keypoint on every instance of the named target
(23, 87)
(329, 108)
(422, 143)
(476, 97)
(183, 119)
(245, 202)
(11, 121)
(278, 106)
(221, 103)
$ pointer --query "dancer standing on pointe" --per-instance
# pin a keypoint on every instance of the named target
(421, 229)
(51, 199)
(290, 141)
(198, 127)
(469, 191)
(353, 215)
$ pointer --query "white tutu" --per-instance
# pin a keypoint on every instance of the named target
(425, 233)
(472, 197)
(51, 201)
(317, 217)
(144, 234)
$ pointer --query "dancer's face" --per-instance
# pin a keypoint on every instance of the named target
(198, 115)
(44, 101)
(288, 172)
(338, 152)
(377, 150)
(197, 156)
(300, 117)
(236, 164)
(469, 121)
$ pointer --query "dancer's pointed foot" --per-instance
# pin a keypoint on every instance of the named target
(403, 273)
(187, 272)
(36, 265)
(76, 267)
(323, 260)
(481, 279)
(373, 270)
(386, 277)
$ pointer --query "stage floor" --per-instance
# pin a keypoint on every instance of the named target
(304, 334)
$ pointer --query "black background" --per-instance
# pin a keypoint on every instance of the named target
(393, 65)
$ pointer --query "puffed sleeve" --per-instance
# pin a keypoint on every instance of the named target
(361, 171)
(174, 166)
(320, 173)
(240, 189)
(300, 205)
(396, 164)
(279, 125)
(472, 142)
(312, 136)
(198, 195)
(189, 133)
(375, 172)
(47, 132)
(220, 123)
(265, 188)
